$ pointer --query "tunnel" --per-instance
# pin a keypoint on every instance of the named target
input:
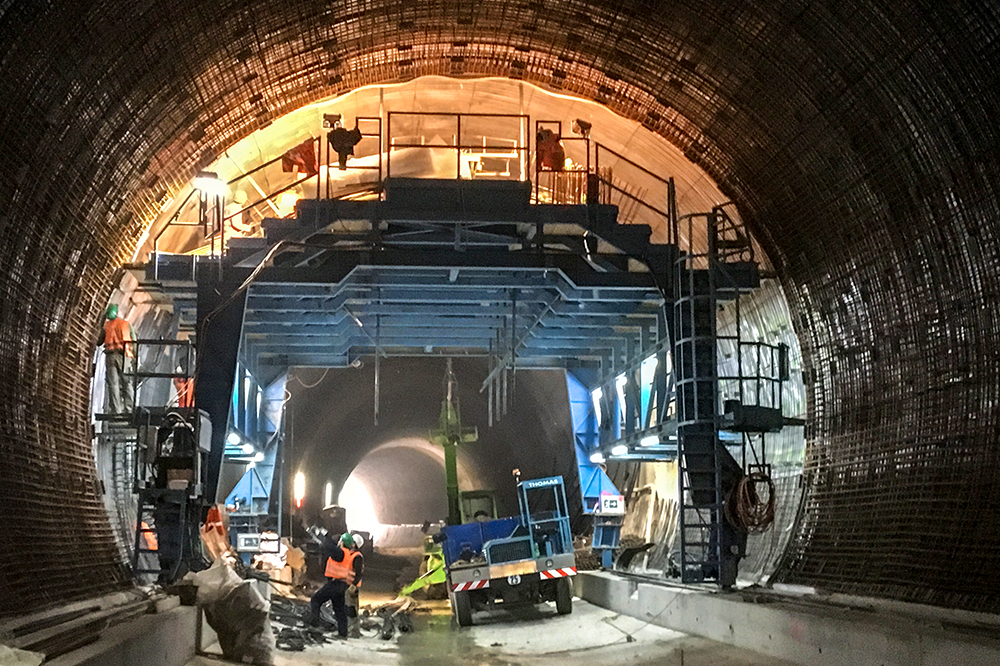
(857, 139)
(396, 465)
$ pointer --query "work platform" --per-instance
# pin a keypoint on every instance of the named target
(494, 269)
(438, 267)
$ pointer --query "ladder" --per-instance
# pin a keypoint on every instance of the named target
(704, 276)
(170, 506)
(699, 474)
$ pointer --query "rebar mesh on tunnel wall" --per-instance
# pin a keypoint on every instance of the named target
(858, 137)
(58, 544)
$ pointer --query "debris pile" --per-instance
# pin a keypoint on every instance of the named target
(290, 618)
(390, 617)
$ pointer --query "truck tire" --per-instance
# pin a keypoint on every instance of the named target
(564, 596)
(462, 606)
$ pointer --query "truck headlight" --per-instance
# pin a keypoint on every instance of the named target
(548, 564)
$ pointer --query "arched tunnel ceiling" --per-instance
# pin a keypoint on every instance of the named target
(859, 139)
(695, 191)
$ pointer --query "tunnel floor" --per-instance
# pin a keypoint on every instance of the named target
(535, 636)
(590, 635)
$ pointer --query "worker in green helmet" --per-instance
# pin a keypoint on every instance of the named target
(119, 352)
(344, 567)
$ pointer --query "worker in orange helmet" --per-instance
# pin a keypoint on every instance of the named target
(119, 352)
(344, 568)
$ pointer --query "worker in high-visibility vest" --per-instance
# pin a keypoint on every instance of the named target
(149, 536)
(344, 568)
(184, 387)
(119, 342)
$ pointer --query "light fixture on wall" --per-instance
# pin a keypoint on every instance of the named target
(299, 489)
(208, 182)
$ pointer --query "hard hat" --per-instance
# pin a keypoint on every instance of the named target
(112, 311)
(359, 541)
(347, 539)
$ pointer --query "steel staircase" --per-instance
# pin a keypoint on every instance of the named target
(709, 548)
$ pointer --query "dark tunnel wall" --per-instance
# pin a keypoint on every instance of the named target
(333, 430)
(859, 139)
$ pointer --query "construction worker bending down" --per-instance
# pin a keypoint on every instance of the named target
(118, 344)
(344, 568)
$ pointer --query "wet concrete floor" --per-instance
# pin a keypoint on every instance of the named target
(540, 637)
(533, 636)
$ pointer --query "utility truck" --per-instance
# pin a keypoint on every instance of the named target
(527, 559)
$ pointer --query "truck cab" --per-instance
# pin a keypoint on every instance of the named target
(527, 559)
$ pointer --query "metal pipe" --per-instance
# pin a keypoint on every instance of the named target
(489, 402)
(378, 365)
(458, 143)
(521, 341)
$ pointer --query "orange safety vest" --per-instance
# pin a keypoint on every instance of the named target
(213, 521)
(116, 334)
(150, 537)
(185, 391)
(342, 570)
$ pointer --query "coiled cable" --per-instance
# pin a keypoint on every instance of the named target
(746, 509)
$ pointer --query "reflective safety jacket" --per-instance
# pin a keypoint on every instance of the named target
(185, 392)
(149, 535)
(343, 570)
(116, 334)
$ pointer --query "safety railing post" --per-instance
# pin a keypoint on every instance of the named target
(458, 146)
(388, 148)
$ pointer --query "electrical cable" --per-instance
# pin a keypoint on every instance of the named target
(309, 386)
(744, 507)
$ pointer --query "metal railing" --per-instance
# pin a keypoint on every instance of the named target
(480, 141)
(479, 145)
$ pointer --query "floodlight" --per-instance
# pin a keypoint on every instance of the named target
(208, 182)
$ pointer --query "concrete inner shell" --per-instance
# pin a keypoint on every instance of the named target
(857, 137)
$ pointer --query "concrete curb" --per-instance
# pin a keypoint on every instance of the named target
(806, 633)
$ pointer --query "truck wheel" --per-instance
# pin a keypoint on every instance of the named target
(564, 596)
(462, 607)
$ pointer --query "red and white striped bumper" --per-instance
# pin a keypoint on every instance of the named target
(471, 585)
(557, 573)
